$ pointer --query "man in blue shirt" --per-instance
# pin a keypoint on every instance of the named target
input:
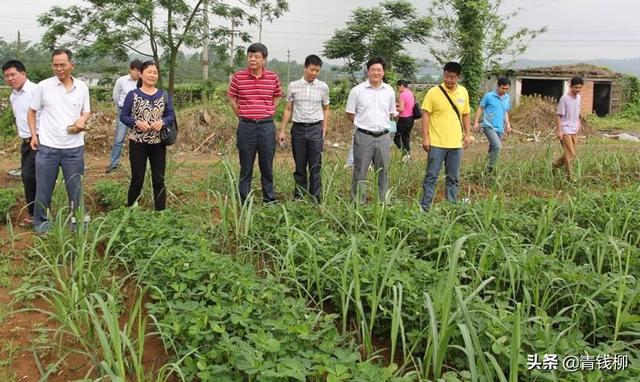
(495, 106)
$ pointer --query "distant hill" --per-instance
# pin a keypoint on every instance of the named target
(629, 66)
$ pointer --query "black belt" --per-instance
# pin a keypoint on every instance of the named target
(373, 133)
(26, 140)
(256, 121)
(307, 124)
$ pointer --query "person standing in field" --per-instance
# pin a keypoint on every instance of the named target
(446, 130)
(308, 107)
(568, 125)
(370, 106)
(15, 75)
(254, 94)
(122, 87)
(64, 106)
(494, 108)
(146, 110)
(406, 101)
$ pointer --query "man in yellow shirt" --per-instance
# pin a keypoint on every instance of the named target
(446, 128)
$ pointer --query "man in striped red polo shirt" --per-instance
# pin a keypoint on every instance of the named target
(254, 94)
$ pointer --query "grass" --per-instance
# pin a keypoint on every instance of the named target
(340, 291)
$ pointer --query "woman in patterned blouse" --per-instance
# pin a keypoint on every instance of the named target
(146, 110)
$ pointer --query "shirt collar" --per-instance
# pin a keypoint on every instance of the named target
(314, 82)
(368, 85)
(447, 89)
(58, 82)
(261, 73)
(27, 84)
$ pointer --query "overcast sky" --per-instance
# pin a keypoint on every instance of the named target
(577, 29)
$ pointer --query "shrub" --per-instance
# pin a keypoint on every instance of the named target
(110, 194)
(7, 201)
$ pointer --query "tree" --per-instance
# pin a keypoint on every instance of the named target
(379, 31)
(474, 32)
(267, 9)
(117, 27)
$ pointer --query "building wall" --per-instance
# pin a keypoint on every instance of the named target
(586, 105)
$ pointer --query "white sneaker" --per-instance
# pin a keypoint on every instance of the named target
(406, 158)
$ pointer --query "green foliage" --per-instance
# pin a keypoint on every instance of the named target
(229, 323)
(475, 32)
(7, 123)
(379, 31)
(110, 193)
(7, 202)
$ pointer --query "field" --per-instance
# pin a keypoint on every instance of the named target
(211, 290)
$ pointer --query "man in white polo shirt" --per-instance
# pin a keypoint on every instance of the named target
(15, 75)
(63, 103)
(122, 87)
(371, 105)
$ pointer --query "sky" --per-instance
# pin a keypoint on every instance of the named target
(577, 29)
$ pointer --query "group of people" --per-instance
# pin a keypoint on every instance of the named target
(51, 118)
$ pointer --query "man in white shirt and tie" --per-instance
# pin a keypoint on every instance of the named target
(122, 87)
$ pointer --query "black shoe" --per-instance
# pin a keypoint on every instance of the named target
(111, 167)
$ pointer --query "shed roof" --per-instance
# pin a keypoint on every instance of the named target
(583, 70)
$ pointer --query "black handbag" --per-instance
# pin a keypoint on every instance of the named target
(417, 111)
(168, 133)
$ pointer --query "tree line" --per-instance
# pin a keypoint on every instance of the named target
(106, 33)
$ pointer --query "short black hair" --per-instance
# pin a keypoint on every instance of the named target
(58, 51)
(135, 64)
(577, 81)
(504, 81)
(453, 67)
(14, 64)
(145, 65)
(376, 60)
(312, 59)
(257, 47)
(404, 83)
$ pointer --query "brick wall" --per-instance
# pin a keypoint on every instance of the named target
(586, 106)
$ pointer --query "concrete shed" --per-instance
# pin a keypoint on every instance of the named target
(601, 94)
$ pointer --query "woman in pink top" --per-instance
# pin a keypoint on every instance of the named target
(402, 138)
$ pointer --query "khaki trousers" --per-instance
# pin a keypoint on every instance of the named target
(568, 142)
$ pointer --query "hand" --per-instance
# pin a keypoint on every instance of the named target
(466, 141)
(508, 128)
(79, 124)
(143, 125)
(426, 144)
(282, 138)
(559, 134)
(476, 127)
(157, 125)
(34, 142)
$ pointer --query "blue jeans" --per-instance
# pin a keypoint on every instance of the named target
(48, 161)
(118, 140)
(495, 145)
(452, 159)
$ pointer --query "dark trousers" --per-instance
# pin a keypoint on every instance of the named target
(402, 138)
(306, 145)
(28, 168)
(255, 138)
(157, 156)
